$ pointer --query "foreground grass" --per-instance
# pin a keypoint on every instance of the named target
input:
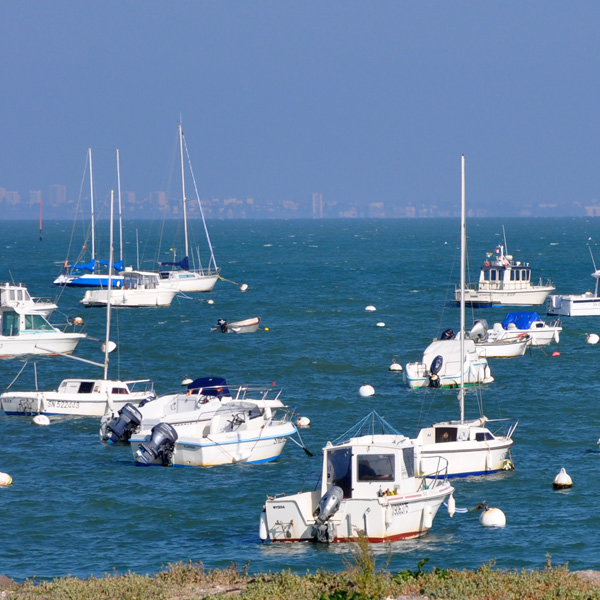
(360, 580)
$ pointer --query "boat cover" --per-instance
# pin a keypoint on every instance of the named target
(116, 266)
(87, 266)
(184, 263)
(522, 320)
(210, 386)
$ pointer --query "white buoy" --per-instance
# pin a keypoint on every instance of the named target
(77, 321)
(395, 366)
(451, 506)
(366, 390)
(592, 338)
(5, 479)
(40, 420)
(370, 308)
(492, 517)
(243, 287)
(563, 480)
(303, 422)
(381, 324)
(210, 301)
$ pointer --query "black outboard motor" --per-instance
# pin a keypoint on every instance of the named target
(329, 504)
(120, 428)
(436, 365)
(447, 335)
(222, 323)
(160, 446)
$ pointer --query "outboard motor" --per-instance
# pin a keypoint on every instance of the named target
(447, 335)
(222, 323)
(120, 428)
(479, 331)
(436, 365)
(161, 445)
(328, 506)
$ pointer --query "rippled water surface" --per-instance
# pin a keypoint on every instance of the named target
(78, 507)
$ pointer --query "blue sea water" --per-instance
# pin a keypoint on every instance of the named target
(78, 507)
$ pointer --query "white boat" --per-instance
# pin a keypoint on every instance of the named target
(140, 289)
(17, 295)
(490, 346)
(576, 305)
(24, 330)
(368, 487)
(504, 282)
(84, 397)
(468, 447)
(522, 324)
(246, 326)
(185, 278)
(73, 275)
(199, 429)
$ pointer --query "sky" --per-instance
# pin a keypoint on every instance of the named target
(362, 101)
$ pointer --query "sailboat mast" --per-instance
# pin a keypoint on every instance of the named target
(92, 205)
(463, 243)
(108, 287)
(185, 229)
(120, 213)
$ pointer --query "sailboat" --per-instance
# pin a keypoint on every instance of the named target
(469, 447)
(83, 397)
(184, 278)
(73, 275)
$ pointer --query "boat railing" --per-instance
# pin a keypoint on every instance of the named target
(256, 392)
(437, 475)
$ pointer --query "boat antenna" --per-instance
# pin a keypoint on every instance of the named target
(185, 229)
(505, 244)
(40, 203)
(463, 243)
(592, 255)
(109, 286)
(92, 205)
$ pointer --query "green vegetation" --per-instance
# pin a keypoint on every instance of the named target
(360, 580)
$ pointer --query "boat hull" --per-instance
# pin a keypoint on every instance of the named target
(43, 344)
(88, 280)
(190, 281)
(524, 297)
(122, 298)
(583, 305)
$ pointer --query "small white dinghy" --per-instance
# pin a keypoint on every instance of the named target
(246, 326)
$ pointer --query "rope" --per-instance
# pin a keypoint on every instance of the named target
(228, 280)
(17, 377)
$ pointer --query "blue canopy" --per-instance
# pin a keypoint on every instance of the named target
(209, 386)
(184, 263)
(88, 266)
(522, 320)
(117, 266)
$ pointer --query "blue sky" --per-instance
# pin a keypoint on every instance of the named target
(361, 101)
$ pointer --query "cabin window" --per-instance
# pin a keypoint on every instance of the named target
(10, 323)
(408, 454)
(37, 323)
(86, 387)
(119, 390)
(376, 467)
(339, 470)
(494, 275)
(445, 434)
(526, 275)
(483, 436)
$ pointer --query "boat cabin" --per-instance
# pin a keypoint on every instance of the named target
(133, 280)
(13, 323)
(91, 386)
(369, 466)
(500, 268)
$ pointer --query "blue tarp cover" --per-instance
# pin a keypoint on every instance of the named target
(184, 263)
(523, 320)
(116, 266)
(210, 386)
(88, 266)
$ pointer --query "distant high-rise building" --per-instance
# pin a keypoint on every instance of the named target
(35, 197)
(317, 208)
(57, 195)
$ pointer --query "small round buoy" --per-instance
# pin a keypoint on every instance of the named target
(40, 420)
(556, 354)
(77, 321)
(492, 517)
(186, 380)
(303, 422)
(366, 390)
(266, 329)
(210, 301)
(395, 366)
(592, 338)
(370, 308)
(243, 287)
(5, 479)
(563, 480)
(381, 324)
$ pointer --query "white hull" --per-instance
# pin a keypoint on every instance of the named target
(381, 519)
(121, 298)
(507, 348)
(581, 305)
(72, 403)
(50, 343)
(246, 326)
(190, 281)
(507, 297)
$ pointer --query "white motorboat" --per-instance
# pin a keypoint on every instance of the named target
(74, 275)
(140, 289)
(206, 426)
(576, 305)
(490, 346)
(468, 447)
(24, 330)
(184, 277)
(245, 326)
(504, 282)
(17, 295)
(369, 487)
(521, 324)
(83, 397)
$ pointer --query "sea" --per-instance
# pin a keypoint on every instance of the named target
(81, 508)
